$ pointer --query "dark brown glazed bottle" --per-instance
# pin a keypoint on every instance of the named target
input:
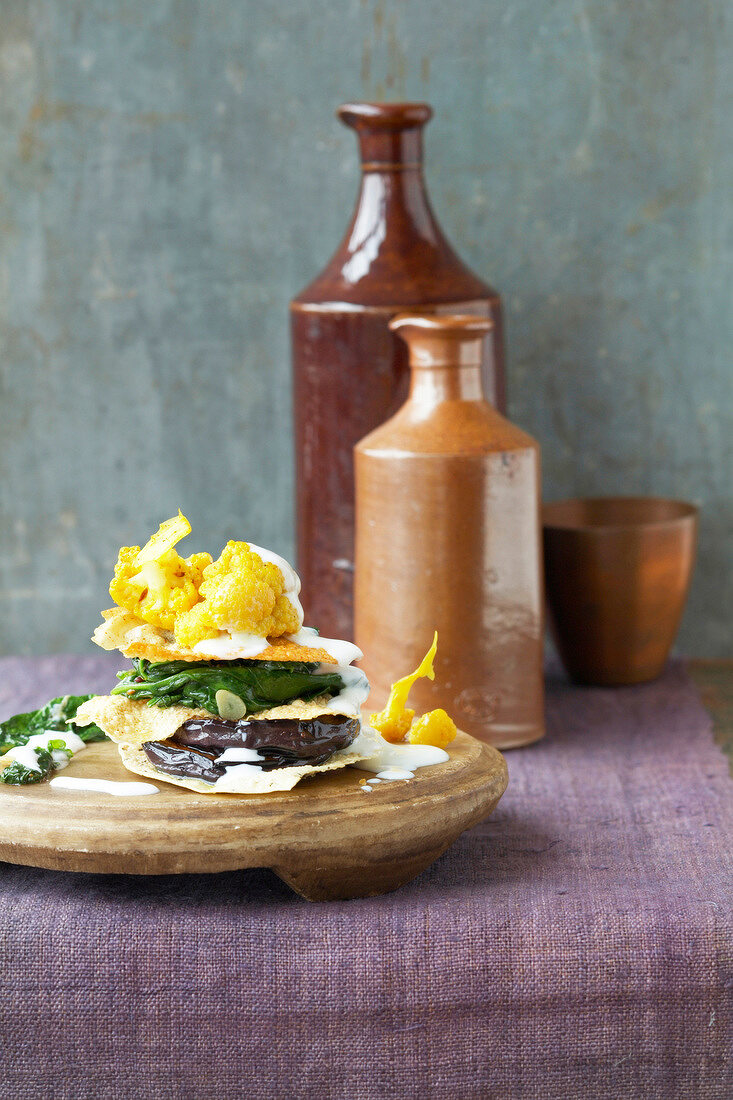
(448, 539)
(350, 371)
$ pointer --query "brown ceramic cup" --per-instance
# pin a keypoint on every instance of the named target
(617, 572)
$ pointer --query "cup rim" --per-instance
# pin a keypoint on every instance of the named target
(683, 510)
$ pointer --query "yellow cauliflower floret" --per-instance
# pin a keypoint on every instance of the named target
(157, 590)
(239, 592)
(434, 728)
(392, 727)
(395, 720)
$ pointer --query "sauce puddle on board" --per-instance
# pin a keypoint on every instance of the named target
(390, 762)
(104, 786)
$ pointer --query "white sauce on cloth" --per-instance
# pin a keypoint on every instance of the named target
(105, 786)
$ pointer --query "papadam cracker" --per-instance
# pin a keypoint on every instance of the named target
(133, 721)
(121, 630)
(266, 782)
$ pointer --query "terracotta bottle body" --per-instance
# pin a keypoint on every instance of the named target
(350, 371)
(448, 539)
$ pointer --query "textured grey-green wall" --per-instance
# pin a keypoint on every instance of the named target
(171, 173)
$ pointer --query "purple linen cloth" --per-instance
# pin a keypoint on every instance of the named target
(577, 944)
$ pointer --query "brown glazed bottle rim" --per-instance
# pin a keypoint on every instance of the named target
(385, 116)
(572, 514)
(460, 326)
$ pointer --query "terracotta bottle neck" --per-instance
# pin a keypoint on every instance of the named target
(445, 356)
(430, 386)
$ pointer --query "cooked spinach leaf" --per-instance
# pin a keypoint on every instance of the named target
(259, 684)
(18, 774)
(58, 714)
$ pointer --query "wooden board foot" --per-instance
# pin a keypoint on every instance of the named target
(340, 880)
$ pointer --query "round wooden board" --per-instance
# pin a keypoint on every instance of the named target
(326, 838)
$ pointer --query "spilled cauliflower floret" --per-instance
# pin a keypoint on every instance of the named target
(434, 728)
(196, 597)
(155, 583)
(395, 722)
(239, 592)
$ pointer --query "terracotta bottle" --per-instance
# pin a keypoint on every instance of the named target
(350, 371)
(448, 538)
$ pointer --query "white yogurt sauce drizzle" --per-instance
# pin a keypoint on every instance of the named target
(238, 756)
(342, 652)
(26, 756)
(232, 644)
(105, 786)
(243, 779)
(390, 774)
(292, 580)
(391, 762)
(353, 694)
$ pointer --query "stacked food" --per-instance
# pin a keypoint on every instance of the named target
(228, 692)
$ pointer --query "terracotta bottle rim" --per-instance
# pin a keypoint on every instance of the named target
(591, 515)
(385, 116)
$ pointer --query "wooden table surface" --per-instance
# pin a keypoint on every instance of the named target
(714, 681)
(493, 937)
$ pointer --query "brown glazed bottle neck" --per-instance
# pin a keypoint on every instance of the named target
(392, 197)
(390, 134)
(394, 253)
